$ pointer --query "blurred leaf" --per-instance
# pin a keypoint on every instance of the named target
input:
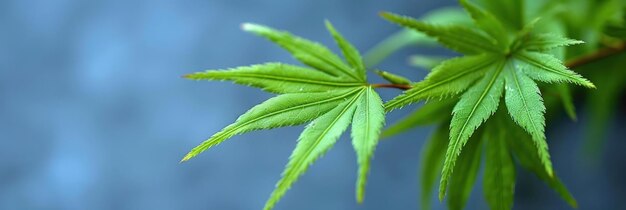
(432, 161)
(511, 12)
(565, 94)
(526, 154)
(425, 61)
(602, 104)
(431, 112)
(462, 182)
(499, 176)
(617, 30)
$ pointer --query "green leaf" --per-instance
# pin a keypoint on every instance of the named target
(284, 110)
(315, 140)
(450, 77)
(523, 100)
(349, 52)
(393, 78)
(547, 68)
(499, 174)
(462, 39)
(426, 62)
(393, 43)
(462, 183)
(277, 78)
(511, 12)
(526, 153)
(488, 23)
(565, 94)
(603, 104)
(431, 112)
(615, 30)
(407, 37)
(368, 120)
(432, 161)
(545, 42)
(474, 107)
(308, 52)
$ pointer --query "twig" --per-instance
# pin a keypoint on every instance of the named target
(397, 86)
(598, 55)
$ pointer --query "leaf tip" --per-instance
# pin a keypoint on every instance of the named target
(186, 158)
(251, 27)
(187, 76)
(386, 15)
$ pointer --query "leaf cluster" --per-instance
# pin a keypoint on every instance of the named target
(489, 104)
(330, 94)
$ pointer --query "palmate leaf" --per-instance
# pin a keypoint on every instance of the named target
(514, 67)
(331, 94)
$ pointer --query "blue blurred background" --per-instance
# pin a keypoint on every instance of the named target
(94, 113)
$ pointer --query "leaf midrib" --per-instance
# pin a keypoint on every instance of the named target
(292, 79)
(455, 143)
(526, 109)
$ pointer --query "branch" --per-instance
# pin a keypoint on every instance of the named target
(397, 86)
(595, 56)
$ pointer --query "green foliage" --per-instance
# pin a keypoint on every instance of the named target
(332, 95)
(499, 176)
(499, 67)
(506, 49)
(432, 161)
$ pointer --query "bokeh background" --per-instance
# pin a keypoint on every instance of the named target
(94, 113)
